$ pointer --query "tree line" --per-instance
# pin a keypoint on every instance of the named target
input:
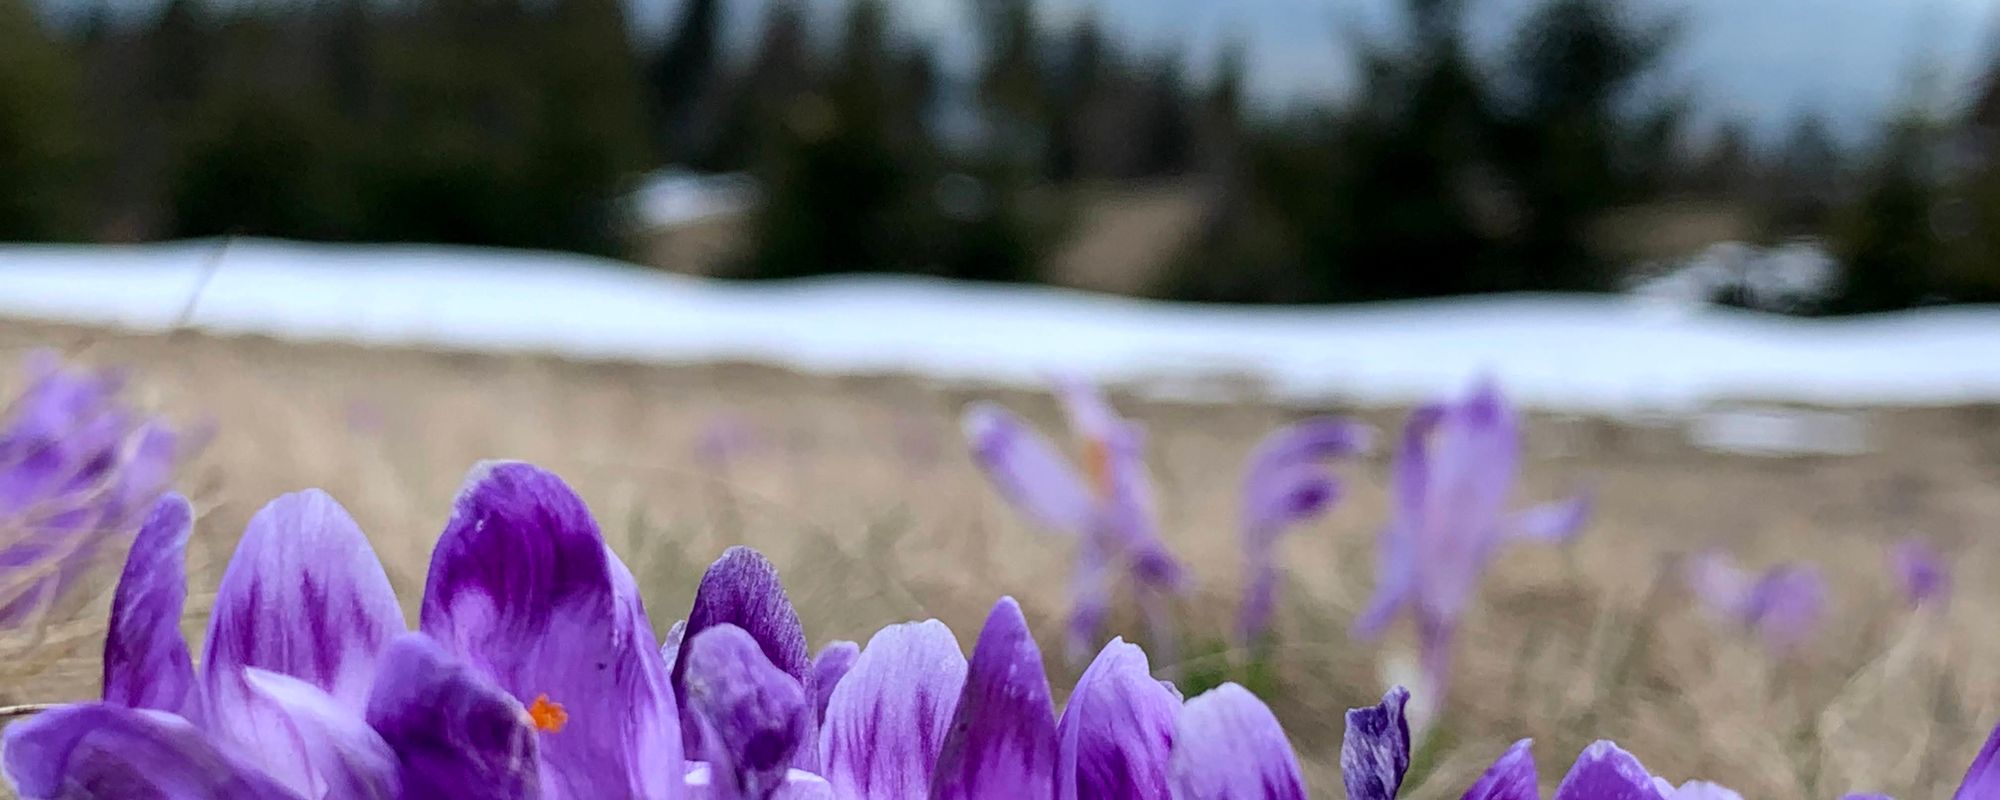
(522, 122)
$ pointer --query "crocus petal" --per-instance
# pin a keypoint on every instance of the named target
(1028, 471)
(1395, 581)
(1285, 481)
(753, 716)
(1921, 571)
(1228, 746)
(1982, 779)
(1551, 522)
(1473, 455)
(454, 732)
(1787, 604)
(1512, 776)
(1396, 557)
(670, 645)
(305, 597)
(345, 757)
(1703, 790)
(1604, 772)
(1721, 586)
(1270, 507)
(798, 785)
(146, 661)
(1375, 753)
(742, 588)
(828, 667)
(887, 719)
(522, 586)
(1003, 735)
(1116, 734)
(103, 750)
(1090, 596)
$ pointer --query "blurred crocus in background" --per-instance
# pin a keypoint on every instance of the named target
(79, 469)
(1288, 482)
(1920, 572)
(1454, 474)
(1108, 506)
(1783, 605)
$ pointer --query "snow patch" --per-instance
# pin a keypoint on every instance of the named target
(1561, 352)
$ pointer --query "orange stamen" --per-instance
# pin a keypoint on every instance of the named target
(1097, 466)
(547, 715)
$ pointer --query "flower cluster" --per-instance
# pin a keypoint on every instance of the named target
(79, 467)
(1376, 755)
(534, 673)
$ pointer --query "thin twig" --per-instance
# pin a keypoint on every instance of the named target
(26, 709)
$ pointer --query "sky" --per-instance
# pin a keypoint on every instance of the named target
(1761, 61)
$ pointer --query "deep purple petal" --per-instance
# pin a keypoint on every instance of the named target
(753, 716)
(1286, 481)
(1604, 772)
(1512, 776)
(1028, 471)
(887, 719)
(454, 732)
(1228, 746)
(305, 597)
(1375, 753)
(344, 756)
(1002, 742)
(798, 785)
(1982, 778)
(1117, 733)
(146, 661)
(828, 667)
(1552, 522)
(97, 750)
(742, 588)
(522, 587)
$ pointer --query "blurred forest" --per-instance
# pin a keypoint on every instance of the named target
(1560, 165)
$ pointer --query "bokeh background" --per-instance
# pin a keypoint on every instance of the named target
(1729, 256)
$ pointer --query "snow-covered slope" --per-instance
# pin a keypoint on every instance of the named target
(1563, 352)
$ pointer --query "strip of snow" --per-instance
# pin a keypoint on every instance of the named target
(1585, 353)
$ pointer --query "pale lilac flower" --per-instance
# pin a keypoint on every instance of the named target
(1783, 605)
(1454, 475)
(1108, 506)
(1286, 483)
(1920, 571)
(79, 469)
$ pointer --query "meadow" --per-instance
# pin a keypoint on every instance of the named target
(861, 490)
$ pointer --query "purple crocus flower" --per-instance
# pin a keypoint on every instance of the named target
(912, 717)
(1454, 476)
(79, 468)
(1286, 484)
(1108, 507)
(535, 674)
(1783, 605)
(1376, 753)
(1920, 571)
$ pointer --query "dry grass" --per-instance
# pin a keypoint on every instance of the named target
(862, 496)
